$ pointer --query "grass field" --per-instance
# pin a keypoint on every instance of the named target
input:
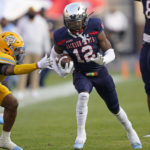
(51, 125)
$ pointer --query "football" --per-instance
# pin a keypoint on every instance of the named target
(63, 59)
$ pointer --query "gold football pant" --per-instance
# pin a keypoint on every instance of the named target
(4, 91)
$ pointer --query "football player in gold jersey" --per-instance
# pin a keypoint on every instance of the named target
(12, 53)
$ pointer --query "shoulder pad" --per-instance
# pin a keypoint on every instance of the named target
(6, 59)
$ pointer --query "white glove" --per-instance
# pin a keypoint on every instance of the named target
(99, 59)
(45, 62)
(108, 57)
(68, 67)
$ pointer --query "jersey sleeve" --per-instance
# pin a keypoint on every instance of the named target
(59, 38)
(99, 25)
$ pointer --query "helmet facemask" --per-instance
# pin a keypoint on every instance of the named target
(19, 53)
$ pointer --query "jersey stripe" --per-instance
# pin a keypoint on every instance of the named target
(5, 60)
(92, 33)
(61, 42)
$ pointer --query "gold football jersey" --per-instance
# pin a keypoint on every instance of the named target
(6, 59)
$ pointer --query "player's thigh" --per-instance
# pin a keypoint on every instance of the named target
(106, 89)
(4, 91)
(144, 56)
(82, 83)
(145, 66)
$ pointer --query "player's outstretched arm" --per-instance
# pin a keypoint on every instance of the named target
(7, 69)
(105, 46)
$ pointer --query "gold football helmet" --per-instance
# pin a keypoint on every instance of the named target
(12, 44)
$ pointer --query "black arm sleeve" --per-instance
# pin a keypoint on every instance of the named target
(3, 68)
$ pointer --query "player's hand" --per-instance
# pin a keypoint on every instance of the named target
(68, 67)
(45, 62)
(99, 59)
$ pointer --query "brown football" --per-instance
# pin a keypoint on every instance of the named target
(64, 58)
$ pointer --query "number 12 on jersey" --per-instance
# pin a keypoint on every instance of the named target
(86, 51)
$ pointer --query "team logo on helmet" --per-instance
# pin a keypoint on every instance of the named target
(10, 40)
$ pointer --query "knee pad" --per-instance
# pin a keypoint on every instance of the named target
(83, 98)
(114, 108)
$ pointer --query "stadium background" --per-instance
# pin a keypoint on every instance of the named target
(49, 121)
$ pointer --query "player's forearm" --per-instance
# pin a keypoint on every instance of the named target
(104, 43)
(19, 69)
(24, 68)
(57, 70)
(53, 56)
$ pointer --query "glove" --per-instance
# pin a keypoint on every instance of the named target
(45, 62)
(68, 68)
(99, 59)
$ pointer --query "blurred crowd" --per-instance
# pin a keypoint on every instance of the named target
(36, 31)
(37, 27)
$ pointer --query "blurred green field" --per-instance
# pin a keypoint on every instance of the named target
(51, 125)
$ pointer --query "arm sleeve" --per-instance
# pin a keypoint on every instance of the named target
(55, 66)
(24, 68)
(109, 56)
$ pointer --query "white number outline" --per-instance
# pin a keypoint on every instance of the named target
(147, 12)
(87, 51)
